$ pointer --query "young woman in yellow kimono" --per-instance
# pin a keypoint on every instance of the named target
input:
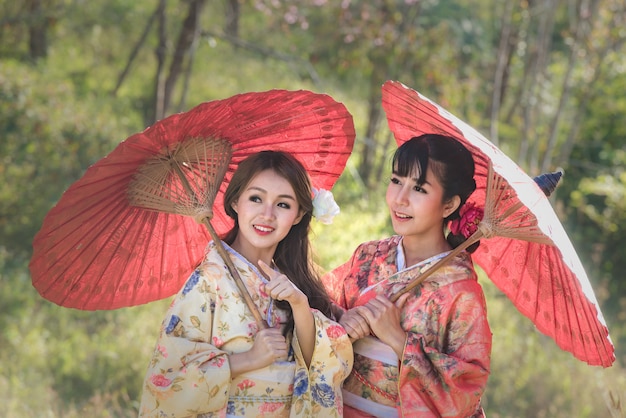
(210, 359)
(427, 355)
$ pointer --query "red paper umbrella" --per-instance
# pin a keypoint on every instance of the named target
(526, 253)
(128, 231)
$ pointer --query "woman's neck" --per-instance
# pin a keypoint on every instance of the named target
(253, 254)
(418, 249)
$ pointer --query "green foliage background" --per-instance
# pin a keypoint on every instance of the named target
(58, 116)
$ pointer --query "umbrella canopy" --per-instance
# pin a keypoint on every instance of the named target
(527, 254)
(97, 249)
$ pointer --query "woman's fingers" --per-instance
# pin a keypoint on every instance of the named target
(267, 270)
(402, 300)
(379, 303)
(271, 344)
(354, 323)
(384, 316)
(279, 286)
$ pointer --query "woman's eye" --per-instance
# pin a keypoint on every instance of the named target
(284, 205)
(395, 180)
(419, 189)
(254, 198)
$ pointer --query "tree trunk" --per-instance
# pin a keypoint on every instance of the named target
(161, 51)
(369, 144)
(585, 13)
(158, 13)
(37, 30)
(232, 18)
(503, 59)
(188, 72)
(589, 89)
(546, 12)
(188, 34)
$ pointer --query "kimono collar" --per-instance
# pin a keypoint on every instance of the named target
(244, 260)
(401, 258)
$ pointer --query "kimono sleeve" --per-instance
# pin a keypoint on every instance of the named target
(317, 389)
(334, 281)
(187, 374)
(450, 375)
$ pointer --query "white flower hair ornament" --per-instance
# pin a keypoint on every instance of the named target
(324, 206)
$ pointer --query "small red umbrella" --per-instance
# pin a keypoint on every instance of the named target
(526, 253)
(128, 231)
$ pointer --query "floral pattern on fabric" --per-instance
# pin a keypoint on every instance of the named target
(189, 374)
(444, 369)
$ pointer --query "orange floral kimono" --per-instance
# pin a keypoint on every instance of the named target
(444, 369)
(189, 375)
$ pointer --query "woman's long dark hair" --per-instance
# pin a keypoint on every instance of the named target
(452, 164)
(293, 253)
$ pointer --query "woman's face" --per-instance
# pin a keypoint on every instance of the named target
(266, 210)
(417, 210)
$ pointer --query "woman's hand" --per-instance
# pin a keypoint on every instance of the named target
(269, 346)
(281, 288)
(355, 323)
(383, 317)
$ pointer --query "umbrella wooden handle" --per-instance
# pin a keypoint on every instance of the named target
(222, 252)
(262, 324)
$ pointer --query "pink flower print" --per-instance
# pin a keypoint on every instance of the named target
(160, 381)
(162, 350)
(270, 407)
(252, 329)
(219, 361)
(246, 384)
(382, 248)
(217, 341)
(467, 224)
(335, 331)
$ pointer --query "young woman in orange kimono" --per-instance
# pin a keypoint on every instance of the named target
(427, 354)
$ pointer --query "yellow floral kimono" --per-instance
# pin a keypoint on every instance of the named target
(189, 375)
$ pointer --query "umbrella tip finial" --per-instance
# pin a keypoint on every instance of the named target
(547, 182)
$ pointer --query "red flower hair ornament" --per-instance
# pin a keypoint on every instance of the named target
(467, 223)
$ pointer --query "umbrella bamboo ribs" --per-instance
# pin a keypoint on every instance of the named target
(205, 161)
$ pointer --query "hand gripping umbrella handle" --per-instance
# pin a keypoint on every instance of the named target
(238, 281)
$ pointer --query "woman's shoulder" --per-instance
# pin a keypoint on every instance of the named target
(379, 246)
(459, 272)
(213, 256)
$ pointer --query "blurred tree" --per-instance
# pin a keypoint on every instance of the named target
(593, 197)
(25, 26)
(550, 56)
(48, 140)
(182, 55)
(366, 43)
(37, 29)
(231, 28)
